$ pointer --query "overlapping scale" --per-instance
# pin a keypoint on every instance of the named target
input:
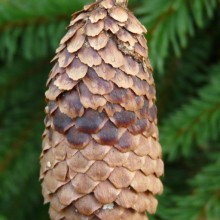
(90, 100)
(77, 41)
(97, 15)
(105, 71)
(65, 58)
(93, 29)
(77, 70)
(89, 56)
(98, 42)
(106, 193)
(111, 25)
(88, 184)
(112, 55)
(70, 104)
(119, 13)
(97, 85)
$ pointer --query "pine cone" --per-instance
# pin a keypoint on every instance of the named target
(101, 158)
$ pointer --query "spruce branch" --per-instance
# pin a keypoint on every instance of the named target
(196, 123)
(171, 23)
(204, 195)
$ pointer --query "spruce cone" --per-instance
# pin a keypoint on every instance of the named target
(101, 158)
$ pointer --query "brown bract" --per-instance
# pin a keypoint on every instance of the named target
(119, 14)
(52, 92)
(99, 41)
(107, 3)
(97, 15)
(70, 104)
(89, 56)
(76, 70)
(63, 82)
(78, 17)
(93, 29)
(69, 34)
(105, 71)
(111, 55)
(90, 100)
(134, 26)
(101, 159)
(130, 66)
(122, 80)
(111, 25)
(97, 85)
(65, 58)
(76, 42)
(125, 36)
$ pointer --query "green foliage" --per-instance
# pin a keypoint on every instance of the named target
(20, 134)
(181, 132)
(183, 38)
(27, 27)
(170, 24)
(204, 197)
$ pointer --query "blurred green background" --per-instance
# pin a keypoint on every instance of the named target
(184, 45)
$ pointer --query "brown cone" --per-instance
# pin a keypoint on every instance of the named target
(101, 158)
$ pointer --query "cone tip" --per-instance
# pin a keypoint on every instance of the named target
(118, 2)
(121, 2)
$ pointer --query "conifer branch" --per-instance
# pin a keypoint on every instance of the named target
(204, 195)
(196, 123)
(172, 23)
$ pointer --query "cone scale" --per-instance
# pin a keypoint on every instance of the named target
(101, 158)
